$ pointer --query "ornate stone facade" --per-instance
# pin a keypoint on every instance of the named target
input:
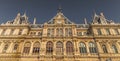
(59, 39)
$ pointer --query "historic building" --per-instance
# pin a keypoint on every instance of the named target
(59, 39)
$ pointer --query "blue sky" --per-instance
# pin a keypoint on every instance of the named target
(44, 10)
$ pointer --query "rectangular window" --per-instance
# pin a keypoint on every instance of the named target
(12, 31)
(3, 32)
(20, 32)
(99, 31)
(116, 31)
(85, 33)
(108, 31)
(79, 33)
(40, 33)
(5, 48)
(68, 32)
(32, 33)
(50, 32)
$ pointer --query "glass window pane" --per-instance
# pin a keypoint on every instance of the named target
(69, 48)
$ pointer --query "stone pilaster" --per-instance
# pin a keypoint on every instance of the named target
(87, 47)
(1, 31)
(109, 48)
(75, 47)
(103, 31)
(16, 32)
(54, 48)
(112, 31)
(21, 47)
(31, 49)
(43, 48)
(95, 32)
(10, 48)
(75, 30)
(73, 33)
(7, 32)
(119, 31)
(64, 32)
(55, 32)
(45, 31)
(64, 47)
(99, 47)
(25, 31)
(2, 47)
(118, 47)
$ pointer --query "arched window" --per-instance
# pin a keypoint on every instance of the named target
(49, 48)
(27, 48)
(92, 47)
(5, 48)
(104, 49)
(36, 48)
(59, 48)
(69, 48)
(15, 47)
(82, 47)
(114, 49)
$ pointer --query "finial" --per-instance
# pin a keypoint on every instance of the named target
(102, 14)
(94, 13)
(24, 13)
(34, 21)
(18, 14)
(85, 20)
(59, 9)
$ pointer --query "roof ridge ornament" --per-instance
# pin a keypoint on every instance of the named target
(85, 21)
(34, 22)
(59, 9)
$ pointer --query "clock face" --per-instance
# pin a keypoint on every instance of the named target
(59, 21)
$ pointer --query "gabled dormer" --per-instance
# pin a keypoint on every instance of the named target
(21, 19)
(99, 19)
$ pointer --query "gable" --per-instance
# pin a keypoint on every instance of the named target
(59, 19)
